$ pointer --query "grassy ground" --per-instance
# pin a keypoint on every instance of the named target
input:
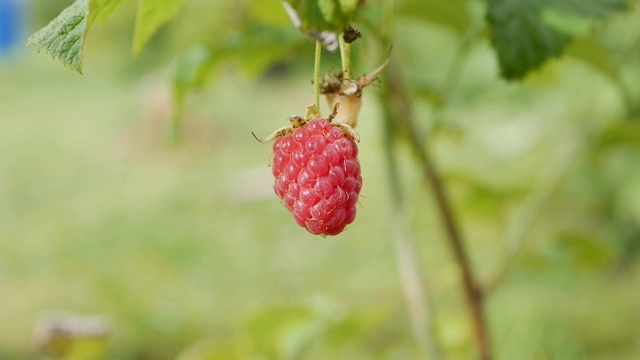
(98, 214)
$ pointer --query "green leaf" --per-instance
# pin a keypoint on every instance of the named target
(193, 70)
(523, 42)
(63, 37)
(620, 134)
(571, 25)
(589, 50)
(259, 46)
(255, 49)
(524, 35)
(265, 12)
(324, 15)
(151, 15)
(451, 14)
(589, 8)
(583, 250)
(101, 10)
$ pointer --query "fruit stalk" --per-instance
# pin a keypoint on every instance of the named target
(345, 55)
(316, 74)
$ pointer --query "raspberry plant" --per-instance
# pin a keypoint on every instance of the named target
(314, 163)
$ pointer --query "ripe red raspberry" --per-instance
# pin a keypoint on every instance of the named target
(318, 176)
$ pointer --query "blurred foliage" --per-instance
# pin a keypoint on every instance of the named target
(449, 13)
(98, 214)
(523, 39)
(150, 16)
(324, 15)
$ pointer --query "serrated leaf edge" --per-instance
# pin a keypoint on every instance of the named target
(49, 43)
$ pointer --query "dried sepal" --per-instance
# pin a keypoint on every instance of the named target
(348, 131)
(348, 93)
(311, 113)
(274, 135)
(351, 34)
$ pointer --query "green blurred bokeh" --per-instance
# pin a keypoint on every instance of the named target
(186, 250)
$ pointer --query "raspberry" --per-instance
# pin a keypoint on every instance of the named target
(318, 176)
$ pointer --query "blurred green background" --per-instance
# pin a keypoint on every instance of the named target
(188, 253)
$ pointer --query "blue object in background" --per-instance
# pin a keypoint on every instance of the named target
(11, 16)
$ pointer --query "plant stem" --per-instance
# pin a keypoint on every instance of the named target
(400, 107)
(316, 74)
(415, 293)
(414, 290)
(345, 55)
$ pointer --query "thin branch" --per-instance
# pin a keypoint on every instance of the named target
(413, 286)
(345, 56)
(399, 105)
(414, 290)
